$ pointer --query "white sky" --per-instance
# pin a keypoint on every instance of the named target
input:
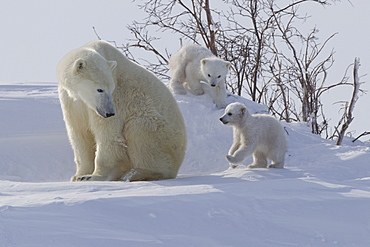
(36, 34)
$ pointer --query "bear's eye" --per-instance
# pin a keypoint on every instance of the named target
(209, 75)
(100, 90)
(219, 76)
(229, 114)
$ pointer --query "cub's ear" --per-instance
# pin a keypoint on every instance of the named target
(78, 66)
(243, 110)
(112, 64)
(203, 61)
(227, 64)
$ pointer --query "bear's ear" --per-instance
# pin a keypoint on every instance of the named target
(203, 61)
(112, 64)
(79, 65)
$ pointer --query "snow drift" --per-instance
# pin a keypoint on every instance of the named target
(321, 198)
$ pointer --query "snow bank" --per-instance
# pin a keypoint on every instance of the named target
(321, 198)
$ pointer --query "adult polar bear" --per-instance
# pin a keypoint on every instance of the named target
(122, 121)
(193, 64)
(257, 134)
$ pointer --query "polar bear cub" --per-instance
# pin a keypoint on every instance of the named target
(193, 64)
(258, 134)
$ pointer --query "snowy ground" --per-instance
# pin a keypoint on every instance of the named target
(321, 198)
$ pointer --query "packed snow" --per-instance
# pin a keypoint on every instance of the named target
(321, 197)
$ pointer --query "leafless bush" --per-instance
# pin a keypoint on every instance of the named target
(272, 61)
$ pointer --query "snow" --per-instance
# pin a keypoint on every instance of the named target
(321, 198)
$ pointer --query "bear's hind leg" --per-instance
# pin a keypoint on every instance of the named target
(259, 160)
(278, 160)
(177, 80)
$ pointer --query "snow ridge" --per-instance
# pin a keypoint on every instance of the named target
(321, 198)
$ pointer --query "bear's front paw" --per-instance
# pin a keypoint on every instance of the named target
(87, 178)
(83, 178)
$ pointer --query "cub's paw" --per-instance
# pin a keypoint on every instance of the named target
(276, 166)
(221, 105)
(197, 91)
(252, 166)
(232, 162)
(177, 88)
(233, 165)
(230, 158)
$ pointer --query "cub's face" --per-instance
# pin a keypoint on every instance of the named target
(92, 82)
(214, 70)
(234, 114)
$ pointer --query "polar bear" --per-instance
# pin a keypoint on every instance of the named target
(122, 121)
(258, 134)
(193, 64)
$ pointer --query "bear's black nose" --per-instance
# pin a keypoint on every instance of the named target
(109, 115)
(224, 122)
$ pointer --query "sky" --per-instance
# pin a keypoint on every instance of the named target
(37, 34)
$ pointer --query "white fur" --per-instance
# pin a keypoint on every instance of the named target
(122, 122)
(193, 64)
(258, 134)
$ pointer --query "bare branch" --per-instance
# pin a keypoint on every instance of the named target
(363, 134)
(348, 117)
